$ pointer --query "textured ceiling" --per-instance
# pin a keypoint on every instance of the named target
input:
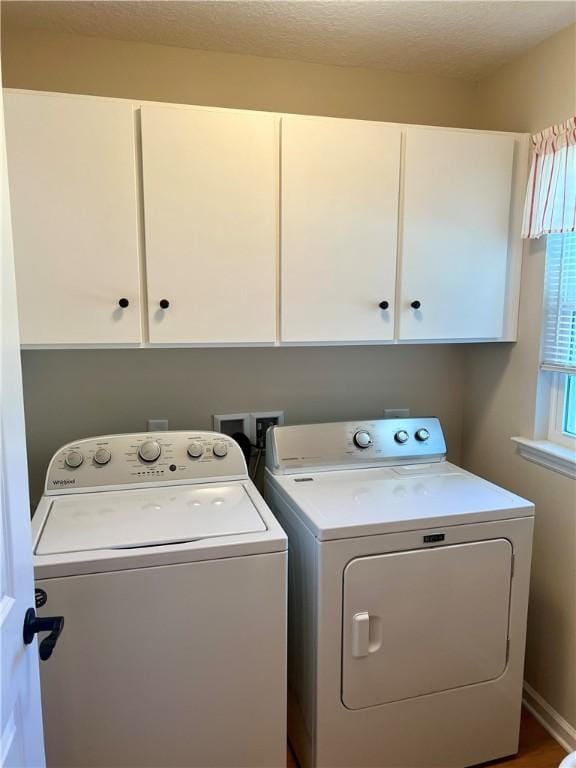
(466, 39)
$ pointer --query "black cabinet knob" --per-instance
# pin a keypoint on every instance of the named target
(384, 305)
(164, 303)
(123, 303)
(415, 305)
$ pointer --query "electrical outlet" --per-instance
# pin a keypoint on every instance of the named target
(230, 423)
(259, 424)
(396, 413)
(157, 425)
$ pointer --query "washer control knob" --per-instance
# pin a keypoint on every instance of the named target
(74, 459)
(363, 439)
(195, 450)
(102, 456)
(422, 435)
(220, 450)
(401, 436)
(149, 450)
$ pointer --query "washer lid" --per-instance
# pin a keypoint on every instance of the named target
(145, 518)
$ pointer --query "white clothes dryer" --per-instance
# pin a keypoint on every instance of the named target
(170, 572)
(408, 593)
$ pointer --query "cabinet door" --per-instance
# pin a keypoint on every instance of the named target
(456, 220)
(72, 168)
(340, 182)
(210, 202)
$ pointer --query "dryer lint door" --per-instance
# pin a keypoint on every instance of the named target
(424, 621)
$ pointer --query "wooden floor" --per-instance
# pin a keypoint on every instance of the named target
(537, 748)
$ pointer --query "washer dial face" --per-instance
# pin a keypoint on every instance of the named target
(149, 450)
(401, 436)
(220, 450)
(74, 459)
(195, 450)
(102, 456)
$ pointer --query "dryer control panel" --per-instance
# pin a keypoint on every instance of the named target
(159, 458)
(353, 444)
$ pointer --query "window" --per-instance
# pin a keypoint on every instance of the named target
(562, 421)
(559, 336)
(550, 210)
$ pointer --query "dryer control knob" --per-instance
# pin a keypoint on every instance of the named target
(149, 450)
(363, 439)
(220, 450)
(102, 456)
(401, 436)
(422, 435)
(74, 459)
(195, 450)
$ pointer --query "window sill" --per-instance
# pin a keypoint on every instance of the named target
(550, 455)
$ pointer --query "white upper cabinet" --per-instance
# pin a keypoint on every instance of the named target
(210, 210)
(455, 234)
(178, 225)
(340, 189)
(72, 170)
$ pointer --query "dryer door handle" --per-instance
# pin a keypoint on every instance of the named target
(361, 634)
(366, 634)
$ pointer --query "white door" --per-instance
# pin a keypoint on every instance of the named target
(210, 211)
(340, 191)
(454, 259)
(424, 621)
(21, 741)
(73, 185)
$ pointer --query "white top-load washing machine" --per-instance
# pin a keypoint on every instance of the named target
(408, 590)
(170, 572)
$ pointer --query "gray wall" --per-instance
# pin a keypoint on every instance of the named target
(69, 394)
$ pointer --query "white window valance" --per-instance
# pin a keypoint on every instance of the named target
(551, 195)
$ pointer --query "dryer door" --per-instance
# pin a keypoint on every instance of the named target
(424, 621)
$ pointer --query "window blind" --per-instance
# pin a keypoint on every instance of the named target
(559, 340)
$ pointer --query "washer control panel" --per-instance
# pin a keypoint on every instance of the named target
(382, 442)
(145, 458)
